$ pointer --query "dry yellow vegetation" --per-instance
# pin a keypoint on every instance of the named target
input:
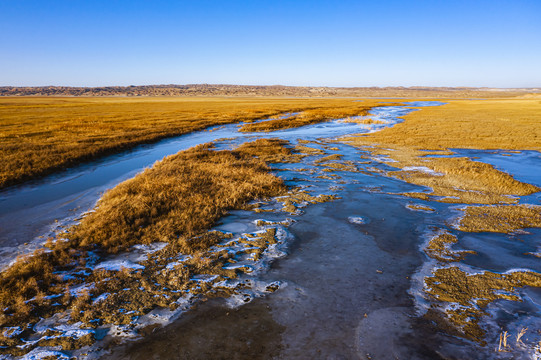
(312, 116)
(472, 124)
(475, 124)
(500, 218)
(439, 248)
(451, 179)
(41, 135)
(470, 295)
(174, 202)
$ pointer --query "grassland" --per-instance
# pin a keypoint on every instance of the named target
(175, 202)
(473, 124)
(469, 124)
(39, 136)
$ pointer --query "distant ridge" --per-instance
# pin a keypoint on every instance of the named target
(272, 90)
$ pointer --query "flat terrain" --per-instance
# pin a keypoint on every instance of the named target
(39, 136)
(513, 124)
(175, 207)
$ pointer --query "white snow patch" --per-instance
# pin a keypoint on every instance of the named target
(359, 220)
(117, 265)
(422, 169)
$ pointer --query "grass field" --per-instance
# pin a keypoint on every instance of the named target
(180, 198)
(39, 136)
(174, 202)
(473, 124)
(513, 124)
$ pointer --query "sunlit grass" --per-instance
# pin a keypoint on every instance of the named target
(470, 124)
(43, 135)
(314, 116)
(175, 202)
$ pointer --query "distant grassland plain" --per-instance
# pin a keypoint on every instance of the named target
(41, 135)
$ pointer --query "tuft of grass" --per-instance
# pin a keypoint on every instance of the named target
(308, 150)
(439, 248)
(368, 121)
(270, 150)
(500, 218)
(420, 207)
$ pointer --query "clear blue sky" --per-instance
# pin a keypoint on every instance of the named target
(491, 43)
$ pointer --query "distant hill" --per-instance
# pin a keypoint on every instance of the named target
(274, 90)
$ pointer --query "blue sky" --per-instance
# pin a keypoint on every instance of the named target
(491, 43)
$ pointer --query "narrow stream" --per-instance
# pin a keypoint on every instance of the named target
(36, 210)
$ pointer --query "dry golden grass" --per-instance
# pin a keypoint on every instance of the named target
(500, 218)
(368, 121)
(439, 248)
(270, 150)
(452, 180)
(308, 150)
(176, 202)
(324, 112)
(473, 292)
(39, 136)
(205, 185)
(471, 124)
(420, 207)
(486, 124)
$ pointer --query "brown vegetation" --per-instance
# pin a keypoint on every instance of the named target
(470, 124)
(487, 124)
(500, 218)
(439, 248)
(314, 116)
(471, 294)
(42, 135)
(174, 202)
(420, 207)
(451, 179)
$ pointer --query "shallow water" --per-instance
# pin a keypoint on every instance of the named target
(351, 280)
(32, 210)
